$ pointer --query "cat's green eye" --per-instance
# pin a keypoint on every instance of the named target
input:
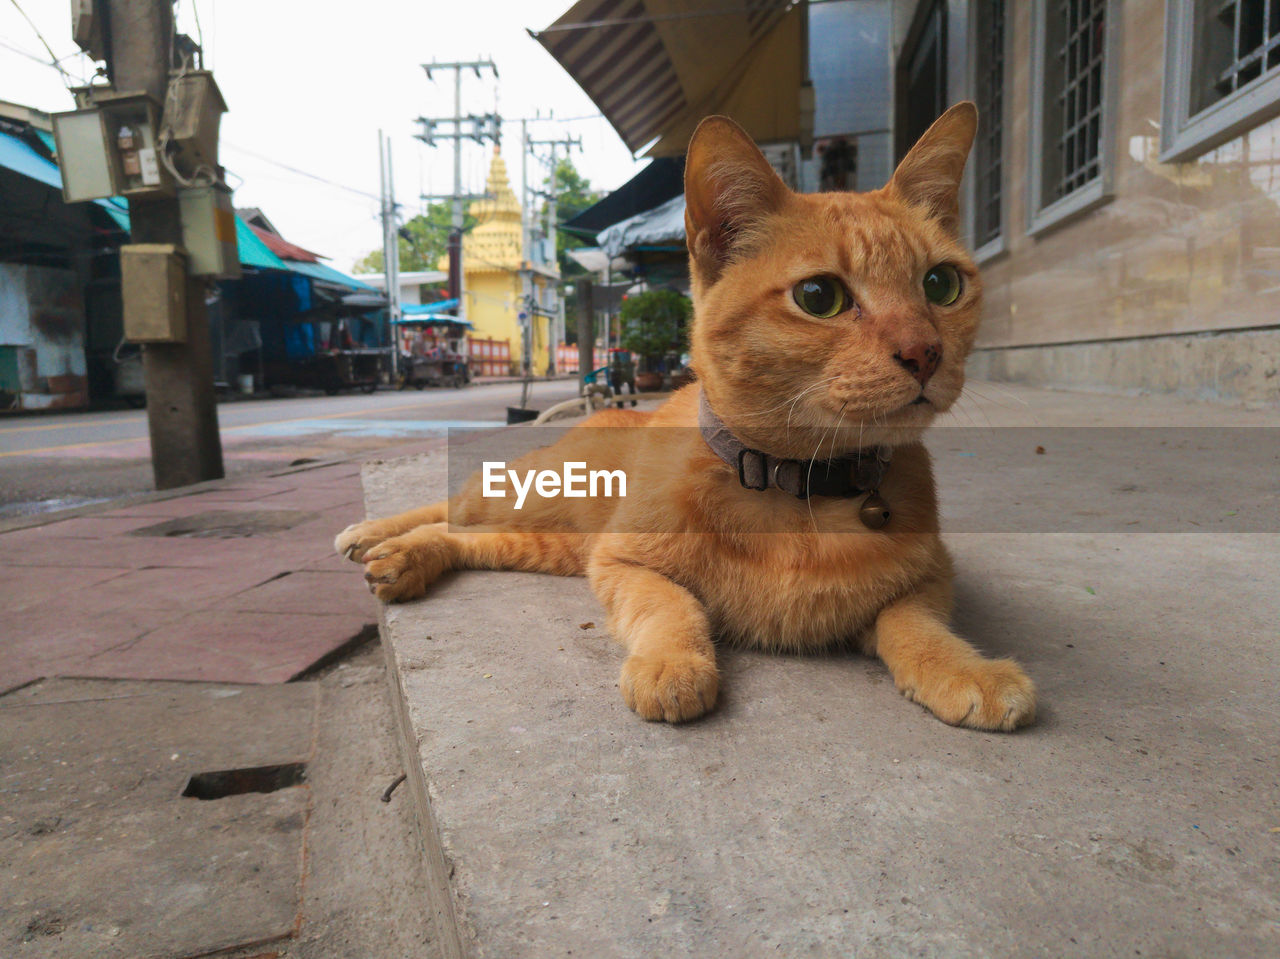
(820, 296)
(942, 284)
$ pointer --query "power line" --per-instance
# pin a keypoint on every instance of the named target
(309, 176)
(53, 57)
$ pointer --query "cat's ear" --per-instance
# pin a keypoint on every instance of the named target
(929, 175)
(729, 188)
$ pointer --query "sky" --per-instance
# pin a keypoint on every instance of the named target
(309, 86)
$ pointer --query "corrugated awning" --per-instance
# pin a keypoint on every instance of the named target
(657, 67)
(324, 274)
(253, 252)
(661, 226)
(662, 179)
(19, 156)
(282, 247)
(439, 306)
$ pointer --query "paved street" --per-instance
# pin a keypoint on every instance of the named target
(59, 461)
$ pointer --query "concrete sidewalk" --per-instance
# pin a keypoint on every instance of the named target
(816, 812)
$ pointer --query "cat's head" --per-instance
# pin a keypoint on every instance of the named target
(821, 317)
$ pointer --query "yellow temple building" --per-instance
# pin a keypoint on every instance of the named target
(493, 287)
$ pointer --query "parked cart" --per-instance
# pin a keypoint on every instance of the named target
(433, 350)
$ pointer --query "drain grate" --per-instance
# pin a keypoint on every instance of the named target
(227, 524)
(237, 782)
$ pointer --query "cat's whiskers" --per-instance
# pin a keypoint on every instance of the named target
(791, 400)
(975, 394)
(830, 379)
(957, 409)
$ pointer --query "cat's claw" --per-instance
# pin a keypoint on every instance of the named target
(670, 689)
(357, 539)
(988, 694)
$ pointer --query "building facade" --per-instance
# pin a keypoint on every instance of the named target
(1124, 190)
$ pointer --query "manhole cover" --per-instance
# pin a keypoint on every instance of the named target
(228, 524)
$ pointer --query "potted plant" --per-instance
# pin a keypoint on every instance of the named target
(654, 323)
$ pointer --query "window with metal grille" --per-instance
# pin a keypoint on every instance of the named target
(1239, 42)
(989, 94)
(1222, 72)
(1074, 81)
(1077, 61)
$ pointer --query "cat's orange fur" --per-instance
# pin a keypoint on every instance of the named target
(763, 569)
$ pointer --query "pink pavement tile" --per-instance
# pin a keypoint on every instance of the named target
(142, 551)
(334, 563)
(318, 499)
(90, 527)
(16, 680)
(246, 494)
(161, 587)
(52, 588)
(307, 592)
(34, 641)
(191, 505)
(230, 647)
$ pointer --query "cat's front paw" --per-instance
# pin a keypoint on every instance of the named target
(401, 568)
(358, 538)
(982, 694)
(676, 688)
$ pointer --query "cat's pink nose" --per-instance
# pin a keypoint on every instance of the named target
(920, 359)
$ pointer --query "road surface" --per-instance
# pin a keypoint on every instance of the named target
(59, 461)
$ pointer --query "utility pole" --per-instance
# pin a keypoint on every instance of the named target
(552, 223)
(182, 412)
(390, 247)
(586, 333)
(487, 126)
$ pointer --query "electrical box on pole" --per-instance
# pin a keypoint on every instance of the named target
(153, 285)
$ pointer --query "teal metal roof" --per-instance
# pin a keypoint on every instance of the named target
(253, 252)
(21, 158)
(325, 274)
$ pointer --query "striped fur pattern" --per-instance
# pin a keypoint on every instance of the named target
(689, 559)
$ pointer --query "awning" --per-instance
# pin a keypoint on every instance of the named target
(22, 158)
(253, 252)
(282, 247)
(658, 182)
(662, 226)
(657, 67)
(418, 318)
(439, 306)
(323, 274)
(362, 300)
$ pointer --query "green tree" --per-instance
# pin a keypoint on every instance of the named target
(655, 323)
(573, 195)
(424, 241)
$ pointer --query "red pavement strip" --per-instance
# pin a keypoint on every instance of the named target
(86, 597)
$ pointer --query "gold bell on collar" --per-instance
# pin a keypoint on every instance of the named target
(874, 511)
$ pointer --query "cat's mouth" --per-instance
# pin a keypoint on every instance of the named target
(919, 400)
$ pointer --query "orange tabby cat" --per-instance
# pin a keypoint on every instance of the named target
(850, 313)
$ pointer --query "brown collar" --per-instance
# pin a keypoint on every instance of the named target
(861, 472)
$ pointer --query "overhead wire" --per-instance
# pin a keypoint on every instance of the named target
(53, 57)
(304, 173)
